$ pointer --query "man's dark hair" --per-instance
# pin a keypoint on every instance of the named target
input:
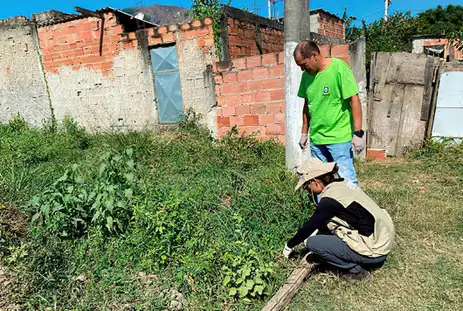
(306, 48)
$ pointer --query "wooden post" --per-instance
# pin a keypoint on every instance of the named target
(284, 295)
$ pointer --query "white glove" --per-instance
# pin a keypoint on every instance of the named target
(358, 144)
(287, 251)
(303, 141)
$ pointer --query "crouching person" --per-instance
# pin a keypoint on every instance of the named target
(354, 233)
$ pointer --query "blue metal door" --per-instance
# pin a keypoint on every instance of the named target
(167, 84)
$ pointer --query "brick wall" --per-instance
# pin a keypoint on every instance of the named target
(250, 93)
(245, 37)
(330, 26)
(116, 89)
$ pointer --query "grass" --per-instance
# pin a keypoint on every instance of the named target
(423, 194)
(203, 210)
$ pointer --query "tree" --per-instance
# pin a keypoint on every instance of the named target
(441, 21)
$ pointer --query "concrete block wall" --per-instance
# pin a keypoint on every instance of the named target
(250, 90)
(245, 37)
(22, 84)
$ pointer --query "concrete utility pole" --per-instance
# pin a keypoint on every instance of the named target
(294, 12)
(386, 9)
(269, 8)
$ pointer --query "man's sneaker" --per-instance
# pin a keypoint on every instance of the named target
(353, 278)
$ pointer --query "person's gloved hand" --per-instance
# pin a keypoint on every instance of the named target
(358, 144)
(303, 141)
(287, 251)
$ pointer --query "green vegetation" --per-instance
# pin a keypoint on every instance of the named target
(125, 219)
(213, 9)
(395, 34)
(149, 221)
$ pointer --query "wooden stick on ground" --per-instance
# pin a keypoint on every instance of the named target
(284, 295)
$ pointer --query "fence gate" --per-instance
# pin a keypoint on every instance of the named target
(401, 88)
(167, 84)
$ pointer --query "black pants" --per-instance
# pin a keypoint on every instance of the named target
(335, 251)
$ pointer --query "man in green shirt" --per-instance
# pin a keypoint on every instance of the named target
(332, 109)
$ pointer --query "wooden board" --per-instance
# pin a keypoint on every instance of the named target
(284, 295)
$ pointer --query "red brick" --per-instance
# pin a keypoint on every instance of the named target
(258, 109)
(239, 63)
(340, 50)
(219, 113)
(201, 32)
(266, 119)
(376, 154)
(242, 110)
(168, 37)
(237, 120)
(227, 89)
(247, 98)
(155, 41)
(254, 61)
(196, 23)
(279, 118)
(273, 83)
(274, 108)
(207, 21)
(189, 34)
(229, 77)
(276, 71)
(232, 100)
(228, 111)
(251, 120)
(242, 87)
(255, 85)
(273, 129)
(277, 95)
(223, 121)
(245, 75)
(269, 59)
(260, 73)
(262, 97)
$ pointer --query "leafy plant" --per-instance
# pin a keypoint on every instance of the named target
(63, 208)
(212, 9)
(245, 273)
(71, 204)
(113, 191)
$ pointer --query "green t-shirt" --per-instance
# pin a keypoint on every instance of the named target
(328, 93)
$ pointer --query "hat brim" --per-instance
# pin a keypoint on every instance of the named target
(324, 169)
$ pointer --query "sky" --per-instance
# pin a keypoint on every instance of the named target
(369, 10)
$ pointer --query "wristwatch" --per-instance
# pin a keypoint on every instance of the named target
(359, 133)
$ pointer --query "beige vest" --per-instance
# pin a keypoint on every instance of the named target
(380, 242)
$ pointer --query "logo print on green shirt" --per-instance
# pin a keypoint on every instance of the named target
(326, 90)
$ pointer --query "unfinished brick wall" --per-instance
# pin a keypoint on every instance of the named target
(77, 44)
(250, 93)
(327, 24)
(116, 89)
(247, 39)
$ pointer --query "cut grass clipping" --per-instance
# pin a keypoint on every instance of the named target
(146, 221)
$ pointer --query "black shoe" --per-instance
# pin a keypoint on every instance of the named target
(353, 278)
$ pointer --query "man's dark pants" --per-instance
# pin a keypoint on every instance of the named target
(335, 251)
